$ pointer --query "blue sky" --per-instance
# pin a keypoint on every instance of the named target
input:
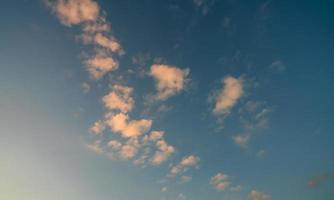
(166, 99)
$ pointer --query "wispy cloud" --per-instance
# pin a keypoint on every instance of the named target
(255, 195)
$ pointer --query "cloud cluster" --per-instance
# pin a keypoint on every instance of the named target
(135, 141)
(229, 95)
(255, 195)
(142, 150)
(94, 30)
(120, 123)
(169, 80)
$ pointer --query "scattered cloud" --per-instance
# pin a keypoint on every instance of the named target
(98, 65)
(72, 12)
(228, 96)
(241, 140)
(184, 165)
(220, 181)
(94, 30)
(170, 80)
(119, 99)
(97, 128)
(255, 195)
(163, 152)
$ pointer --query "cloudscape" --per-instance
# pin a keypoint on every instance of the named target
(166, 100)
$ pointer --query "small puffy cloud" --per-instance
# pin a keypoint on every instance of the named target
(241, 140)
(97, 128)
(190, 161)
(229, 95)
(108, 43)
(99, 65)
(163, 152)
(220, 181)
(169, 80)
(120, 123)
(72, 12)
(156, 135)
(119, 99)
(255, 195)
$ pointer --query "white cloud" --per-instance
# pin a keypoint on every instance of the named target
(185, 179)
(220, 181)
(94, 29)
(72, 12)
(163, 152)
(119, 99)
(99, 65)
(120, 123)
(97, 128)
(169, 80)
(229, 95)
(190, 161)
(108, 43)
(241, 140)
(255, 195)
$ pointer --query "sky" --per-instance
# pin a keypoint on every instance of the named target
(166, 100)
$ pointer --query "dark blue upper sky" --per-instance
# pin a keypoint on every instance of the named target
(243, 91)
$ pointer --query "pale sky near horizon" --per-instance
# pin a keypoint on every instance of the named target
(166, 99)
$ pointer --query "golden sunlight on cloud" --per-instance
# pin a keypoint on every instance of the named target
(73, 12)
(119, 99)
(120, 123)
(169, 80)
(190, 161)
(229, 95)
